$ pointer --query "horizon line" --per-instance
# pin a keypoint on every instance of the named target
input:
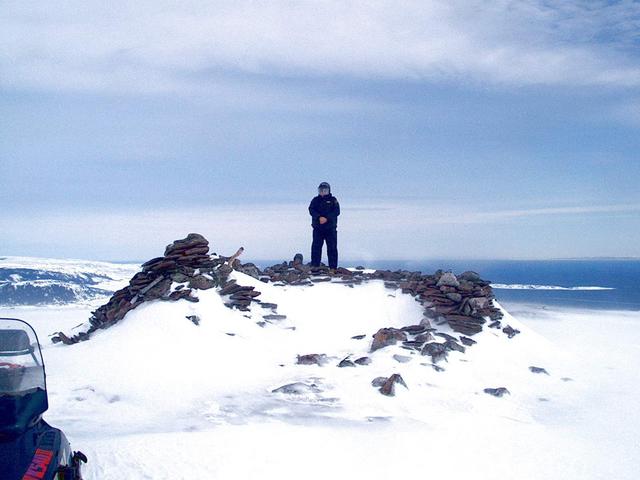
(364, 261)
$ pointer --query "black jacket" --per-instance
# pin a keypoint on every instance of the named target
(327, 207)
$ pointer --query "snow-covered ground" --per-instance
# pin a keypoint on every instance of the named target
(157, 397)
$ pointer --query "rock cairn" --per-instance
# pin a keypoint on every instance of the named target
(387, 385)
(465, 301)
(186, 266)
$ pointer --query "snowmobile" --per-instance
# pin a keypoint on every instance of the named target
(29, 447)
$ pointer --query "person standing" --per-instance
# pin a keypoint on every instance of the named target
(324, 210)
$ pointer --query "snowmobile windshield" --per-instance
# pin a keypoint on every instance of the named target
(21, 366)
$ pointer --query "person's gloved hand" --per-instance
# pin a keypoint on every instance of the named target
(322, 220)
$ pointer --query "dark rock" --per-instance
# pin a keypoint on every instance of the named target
(140, 280)
(428, 313)
(465, 324)
(180, 277)
(437, 357)
(303, 269)
(424, 337)
(230, 288)
(345, 362)
(249, 269)
(274, 317)
(321, 270)
(158, 289)
(82, 336)
(378, 381)
(193, 240)
(182, 295)
(194, 318)
(538, 370)
(245, 293)
(344, 272)
(497, 392)
(164, 266)
(298, 259)
(151, 264)
(448, 279)
(495, 324)
(297, 388)
(478, 303)
(437, 351)
(446, 336)
(469, 276)
(312, 359)
(511, 332)
(452, 345)
(201, 282)
(358, 337)
(388, 387)
(413, 344)
(414, 329)
(466, 287)
(61, 337)
(387, 336)
(363, 361)
(467, 341)
(454, 296)
(224, 271)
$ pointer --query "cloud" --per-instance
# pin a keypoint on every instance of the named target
(193, 46)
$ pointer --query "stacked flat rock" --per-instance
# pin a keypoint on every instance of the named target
(295, 272)
(464, 302)
(185, 266)
(239, 296)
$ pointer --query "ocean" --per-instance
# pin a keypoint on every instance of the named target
(588, 284)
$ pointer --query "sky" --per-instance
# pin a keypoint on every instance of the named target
(505, 129)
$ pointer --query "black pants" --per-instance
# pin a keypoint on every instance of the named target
(321, 235)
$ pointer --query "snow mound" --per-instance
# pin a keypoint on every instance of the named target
(159, 371)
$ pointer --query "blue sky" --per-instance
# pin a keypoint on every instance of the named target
(507, 129)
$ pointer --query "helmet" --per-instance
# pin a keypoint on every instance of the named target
(324, 186)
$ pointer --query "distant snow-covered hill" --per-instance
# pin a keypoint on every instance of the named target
(40, 281)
